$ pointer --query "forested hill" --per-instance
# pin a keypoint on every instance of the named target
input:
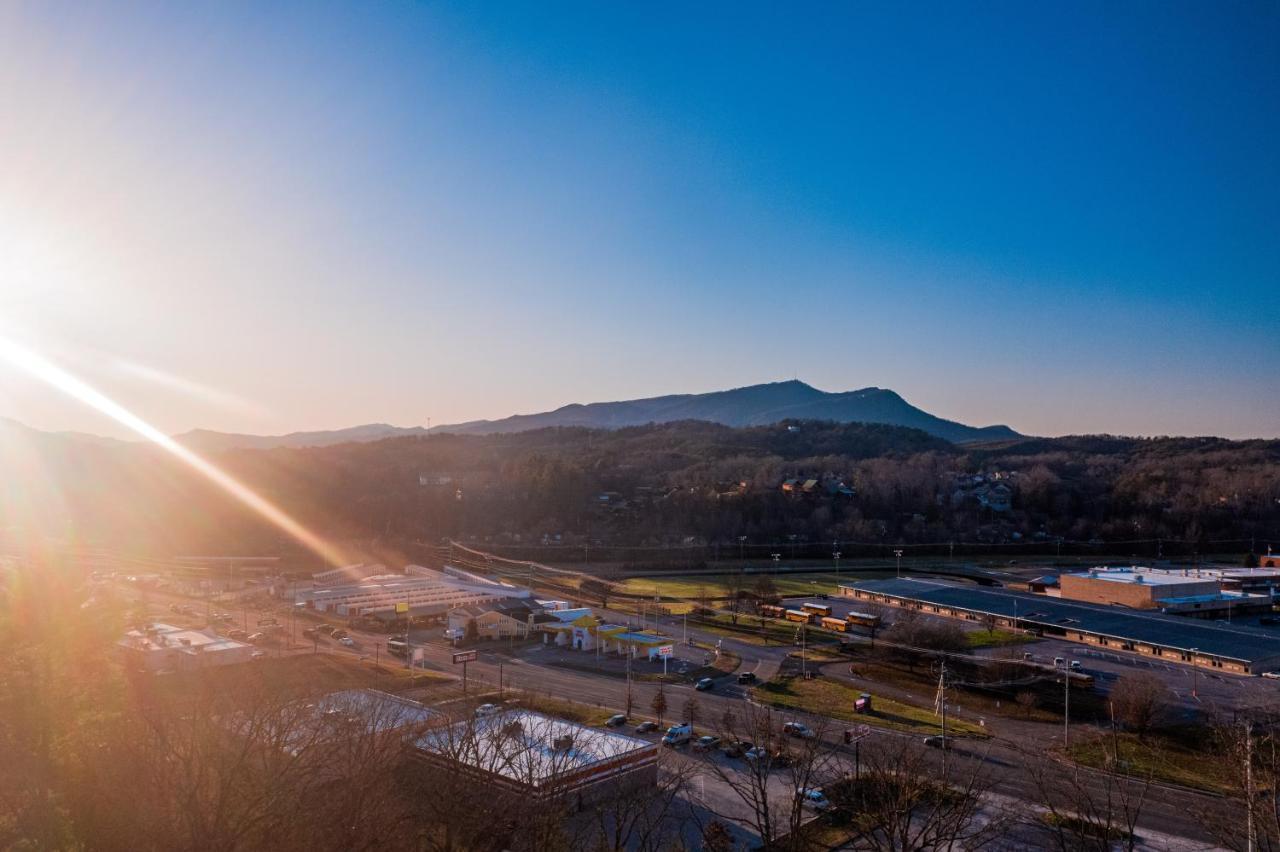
(662, 485)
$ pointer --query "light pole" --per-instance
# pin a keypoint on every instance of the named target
(1066, 703)
(742, 546)
(776, 558)
(836, 557)
(1195, 670)
(898, 554)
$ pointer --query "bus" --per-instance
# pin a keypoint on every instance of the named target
(839, 625)
(397, 647)
(821, 610)
(801, 616)
(771, 610)
(863, 619)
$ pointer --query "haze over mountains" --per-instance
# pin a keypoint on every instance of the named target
(754, 405)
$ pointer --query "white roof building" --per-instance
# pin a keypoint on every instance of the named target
(163, 647)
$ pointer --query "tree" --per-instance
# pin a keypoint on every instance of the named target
(903, 801)
(765, 590)
(716, 837)
(691, 707)
(1087, 811)
(1249, 755)
(659, 705)
(599, 588)
(1139, 701)
(1027, 700)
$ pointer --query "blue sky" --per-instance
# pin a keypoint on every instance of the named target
(266, 217)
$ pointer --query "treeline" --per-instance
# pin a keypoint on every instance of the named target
(678, 484)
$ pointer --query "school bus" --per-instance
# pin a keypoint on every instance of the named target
(821, 610)
(863, 619)
(771, 611)
(801, 616)
(837, 624)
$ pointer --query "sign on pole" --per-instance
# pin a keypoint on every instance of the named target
(464, 657)
(667, 651)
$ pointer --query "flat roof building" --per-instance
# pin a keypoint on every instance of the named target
(163, 647)
(1233, 648)
(426, 592)
(1176, 592)
(531, 754)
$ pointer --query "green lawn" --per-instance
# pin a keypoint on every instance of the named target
(720, 585)
(834, 699)
(1160, 758)
(997, 638)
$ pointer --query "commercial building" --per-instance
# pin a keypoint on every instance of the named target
(531, 754)
(425, 593)
(343, 716)
(165, 648)
(1178, 592)
(506, 618)
(1225, 647)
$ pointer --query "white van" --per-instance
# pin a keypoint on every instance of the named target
(678, 734)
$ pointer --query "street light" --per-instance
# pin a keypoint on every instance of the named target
(1195, 669)
(836, 557)
(898, 553)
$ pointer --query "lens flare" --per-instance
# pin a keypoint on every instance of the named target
(50, 373)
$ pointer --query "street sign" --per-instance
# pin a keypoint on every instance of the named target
(464, 657)
(667, 651)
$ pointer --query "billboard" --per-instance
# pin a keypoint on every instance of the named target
(667, 651)
(464, 657)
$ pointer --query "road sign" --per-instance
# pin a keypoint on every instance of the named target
(464, 657)
(667, 651)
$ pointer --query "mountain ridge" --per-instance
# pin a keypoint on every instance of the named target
(751, 405)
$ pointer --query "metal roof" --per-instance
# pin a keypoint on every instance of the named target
(1233, 642)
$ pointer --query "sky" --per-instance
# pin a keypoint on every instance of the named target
(267, 217)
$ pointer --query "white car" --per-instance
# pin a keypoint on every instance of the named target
(488, 710)
(348, 641)
(815, 799)
(1272, 675)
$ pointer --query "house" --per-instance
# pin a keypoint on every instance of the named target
(510, 618)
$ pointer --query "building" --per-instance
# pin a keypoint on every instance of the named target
(347, 574)
(342, 716)
(506, 618)
(1224, 647)
(165, 648)
(1198, 593)
(531, 754)
(425, 593)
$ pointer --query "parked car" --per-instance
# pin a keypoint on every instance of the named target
(815, 799)
(705, 743)
(326, 629)
(1272, 675)
(756, 754)
(1059, 662)
(796, 729)
(616, 721)
(706, 684)
(255, 638)
(339, 634)
(1075, 666)
(678, 735)
(747, 677)
(737, 748)
(935, 741)
(488, 710)
(348, 641)
(646, 727)
(257, 655)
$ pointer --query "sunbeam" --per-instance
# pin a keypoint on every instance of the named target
(44, 370)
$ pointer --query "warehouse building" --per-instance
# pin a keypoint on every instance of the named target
(1224, 647)
(534, 755)
(425, 593)
(1198, 593)
(165, 648)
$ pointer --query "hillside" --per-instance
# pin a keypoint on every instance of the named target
(756, 405)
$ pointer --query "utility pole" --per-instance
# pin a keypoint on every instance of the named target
(942, 707)
(1195, 670)
(804, 671)
(1066, 703)
(628, 683)
(1251, 830)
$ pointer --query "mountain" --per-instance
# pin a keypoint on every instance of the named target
(756, 405)
(206, 441)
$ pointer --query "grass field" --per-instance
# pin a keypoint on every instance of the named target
(830, 698)
(721, 585)
(997, 638)
(1162, 759)
(774, 632)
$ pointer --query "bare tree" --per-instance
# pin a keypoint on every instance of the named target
(1085, 810)
(659, 705)
(1139, 701)
(1250, 753)
(905, 798)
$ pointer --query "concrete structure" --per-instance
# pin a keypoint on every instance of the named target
(1222, 647)
(1179, 592)
(163, 647)
(530, 754)
(427, 592)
